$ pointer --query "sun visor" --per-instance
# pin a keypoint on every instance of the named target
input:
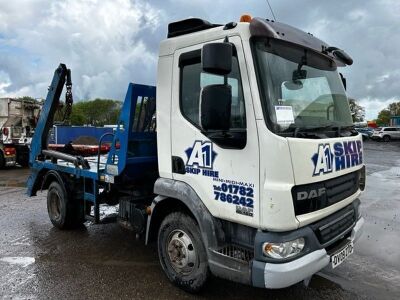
(269, 28)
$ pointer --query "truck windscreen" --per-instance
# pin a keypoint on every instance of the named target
(301, 89)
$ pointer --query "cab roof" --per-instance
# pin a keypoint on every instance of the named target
(194, 31)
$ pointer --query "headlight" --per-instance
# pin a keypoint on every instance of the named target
(283, 250)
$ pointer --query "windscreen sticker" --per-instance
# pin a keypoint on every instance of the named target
(284, 115)
(240, 194)
(345, 155)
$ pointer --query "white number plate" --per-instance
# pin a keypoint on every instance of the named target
(342, 254)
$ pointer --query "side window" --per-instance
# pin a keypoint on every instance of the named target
(144, 118)
(193, 79)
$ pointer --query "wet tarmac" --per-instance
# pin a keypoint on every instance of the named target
(13, 177)
(38, 261)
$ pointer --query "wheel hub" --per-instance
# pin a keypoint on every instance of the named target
(181, 252)
(55, 206)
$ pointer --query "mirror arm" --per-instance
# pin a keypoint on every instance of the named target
(226, 40)
(343, 81)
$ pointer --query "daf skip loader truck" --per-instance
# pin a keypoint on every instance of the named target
(242, 162)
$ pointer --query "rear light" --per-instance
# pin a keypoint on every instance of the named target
(9, 151)
(5, 131)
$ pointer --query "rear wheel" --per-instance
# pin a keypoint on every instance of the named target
(386, 138)
(23, 161)
(182, 253)
(63, 212)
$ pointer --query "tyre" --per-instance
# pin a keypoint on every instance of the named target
(2, 161)
(182, 253)
(23, 156)
(63, 212)
(386, 138)
(23, 161)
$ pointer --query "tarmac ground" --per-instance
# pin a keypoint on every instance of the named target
(37, 261)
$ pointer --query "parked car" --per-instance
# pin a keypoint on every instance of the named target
(386, 134)
(365, 132)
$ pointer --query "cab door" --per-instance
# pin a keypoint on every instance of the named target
(222, 169)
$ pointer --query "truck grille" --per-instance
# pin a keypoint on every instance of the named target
(311, 197)
(237, 252)
(335, 226)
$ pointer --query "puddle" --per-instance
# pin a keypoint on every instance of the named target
(22, 261)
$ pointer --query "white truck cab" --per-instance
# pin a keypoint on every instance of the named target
(278, 168)
(243, 162)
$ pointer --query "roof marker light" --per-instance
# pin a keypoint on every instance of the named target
(245, 18)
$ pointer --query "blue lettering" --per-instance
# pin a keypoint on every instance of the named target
(359, 146)
(338, 148)
(348, 147)
(348, 161)
(354, 159)
(346, 154)
(192, 170)
(210, 173)
(340, 162)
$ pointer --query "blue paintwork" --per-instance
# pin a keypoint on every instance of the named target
(130, 164)
(66, 134)
(39, 140)
(144, 143)
(395, 121)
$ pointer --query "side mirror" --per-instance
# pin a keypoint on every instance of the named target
(343, 56)
(340, 55)
(215, 107)
(216, 58)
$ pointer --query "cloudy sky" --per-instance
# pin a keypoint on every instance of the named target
(109, 43)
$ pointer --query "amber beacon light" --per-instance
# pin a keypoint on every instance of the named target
(245, 18)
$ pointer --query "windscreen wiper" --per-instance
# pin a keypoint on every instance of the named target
(301, 132)
(314, 131)
(336, 128)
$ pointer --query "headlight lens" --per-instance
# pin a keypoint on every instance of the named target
(283, 250)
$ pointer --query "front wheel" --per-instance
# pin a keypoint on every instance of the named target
(182, 253)
(386, 138)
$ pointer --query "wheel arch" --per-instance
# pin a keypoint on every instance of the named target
(178, 196)
(35, 180)
(51, 176)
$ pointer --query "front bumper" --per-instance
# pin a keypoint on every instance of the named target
(281, 275)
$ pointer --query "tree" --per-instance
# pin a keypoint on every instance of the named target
(28, 99)
(97, 112)
(357, 111)
(383, 117)
(394, 108)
